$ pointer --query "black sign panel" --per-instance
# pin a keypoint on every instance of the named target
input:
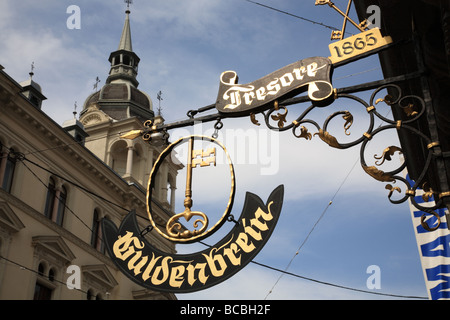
(311, 74)
(182, 273)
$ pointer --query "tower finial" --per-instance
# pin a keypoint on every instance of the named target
(159, 97)
(97, 81)
(32, 69)
(128, 2)
(75, 110)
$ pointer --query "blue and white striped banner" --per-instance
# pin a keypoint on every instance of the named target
(434, 249)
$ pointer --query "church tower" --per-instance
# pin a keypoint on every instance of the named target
(117, 108)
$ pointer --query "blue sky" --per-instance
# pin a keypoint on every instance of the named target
(184, 46)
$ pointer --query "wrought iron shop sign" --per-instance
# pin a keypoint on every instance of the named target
(312, 74)
(155, 269)
(177, 273)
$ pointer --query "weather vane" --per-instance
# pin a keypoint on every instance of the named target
(32, 70)
(339, 34)
(159, 97)
(97, 81)
(75, 110)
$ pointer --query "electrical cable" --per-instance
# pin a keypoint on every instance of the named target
(317, 222)
(312, 229)
(283, 272)
(293, 15)
(36, 272)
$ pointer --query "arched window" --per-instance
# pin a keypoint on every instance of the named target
(43, 289)
(50, 201)
(7, 168)
(62, 198)
(126, 60)
(55, 204)
(119, 157)
(96, 237)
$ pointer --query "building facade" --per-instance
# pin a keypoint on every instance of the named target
(58, 182)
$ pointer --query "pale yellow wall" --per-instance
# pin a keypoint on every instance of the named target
(39, 138)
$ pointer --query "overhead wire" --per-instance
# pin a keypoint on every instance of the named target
(283, 272)
(293, 15)
(312, 229)
(317, 222)
(257, 263)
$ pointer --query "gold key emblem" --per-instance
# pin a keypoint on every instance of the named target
(196, 159)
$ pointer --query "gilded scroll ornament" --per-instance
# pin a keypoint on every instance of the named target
(348, 117)
(409, 110)
(328, 139)
(392, 189)
(427, 192)
(304, 133)
(254, 120)
(387, 154)
(378, 174)
(280, 117)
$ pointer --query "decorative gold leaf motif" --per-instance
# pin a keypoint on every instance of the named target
(427, 192)
(322, 2)
(348, 117)
(378, 174)
(253, 119)
(387, 154)
(392, 189)
(364, 24)
(329, 139)
(425, 224)
(409, 110)
(280, 117)
(388, 100)
(174, 228)
(304, 133)
(131, 135)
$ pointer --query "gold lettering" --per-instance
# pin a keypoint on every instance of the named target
(164, 267)
(243, 242)
(137, 267)
(266, 216)
(176, 276)
(230, 253)
(250, 231)
(260, 225)
(201, 274)
(211, 260)
(122, 248)
(150, 267)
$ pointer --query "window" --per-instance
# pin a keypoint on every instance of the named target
(55, 204)
(96, 237)
(126, 60)
(7, 168)
(44, 283)
(42, 292)
(50, 202)
(61, 206)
